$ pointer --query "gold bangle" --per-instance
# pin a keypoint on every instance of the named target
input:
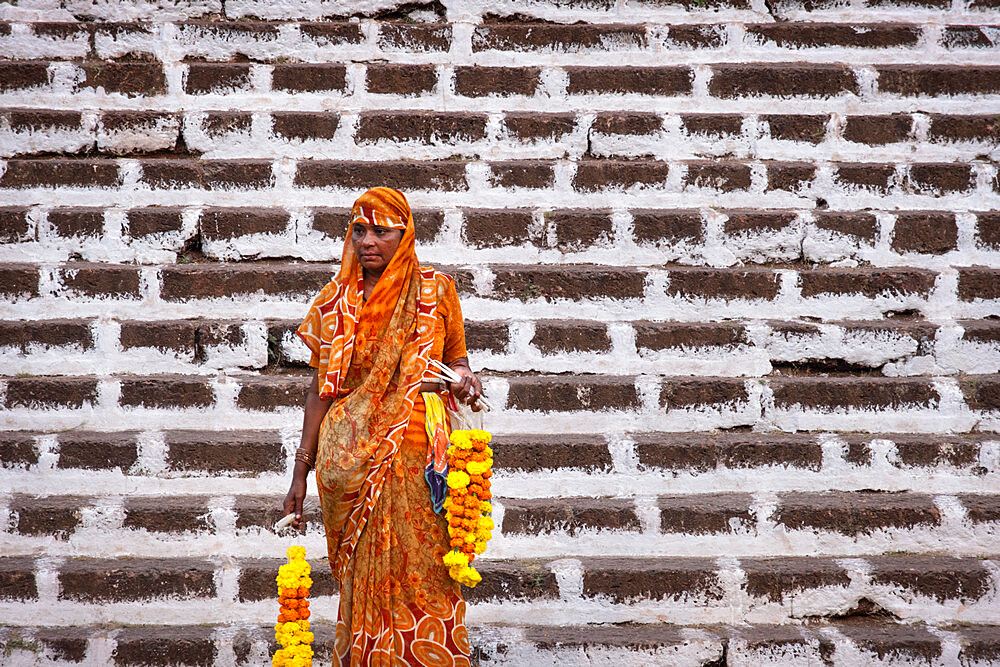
(304, 455)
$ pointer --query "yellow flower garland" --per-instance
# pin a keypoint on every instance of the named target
(470, 466)
(292, 629)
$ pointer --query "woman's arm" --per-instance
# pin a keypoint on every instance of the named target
(315, 411)
(470, 388)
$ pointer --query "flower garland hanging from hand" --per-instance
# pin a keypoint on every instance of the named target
(470, 466)
(292, 628)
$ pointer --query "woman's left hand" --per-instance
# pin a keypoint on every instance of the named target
(469, 389)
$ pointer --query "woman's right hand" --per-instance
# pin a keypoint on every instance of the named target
(293, 502)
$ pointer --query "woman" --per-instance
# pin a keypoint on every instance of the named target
(372, 331)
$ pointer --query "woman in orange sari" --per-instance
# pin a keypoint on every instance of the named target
(372, 331)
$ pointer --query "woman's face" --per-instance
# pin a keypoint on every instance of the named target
(374, 245)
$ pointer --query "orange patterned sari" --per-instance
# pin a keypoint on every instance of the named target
(398, 606)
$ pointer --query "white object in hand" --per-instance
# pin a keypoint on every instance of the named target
(285, 521)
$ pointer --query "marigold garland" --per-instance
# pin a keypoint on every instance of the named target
(292, 629)
(470, 466)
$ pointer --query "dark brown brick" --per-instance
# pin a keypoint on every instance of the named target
(980, 644)
(937, 80)
(135, 579)
(678, 393)
(533, 453)
(23, 75)
(18, 280)
(652, 226)
(57, 516)
(50, 392)
(166, 174)
(309, 78)
(538, 516)
(395, 79)
(567, 282)
(789, 176)
(861, 225)
(223, 281)
(898, 642)
(227, 174)
(17, 450)
(522, 174)
(779, 578)
(741, 222)
(428, 127)
(17, 578)
(305, 124)
(878, 130)
(166, 391)
(510, 580)
(577, 229)
(941, 178)
(617, 122)
(487, 336)
(523, 37)
(580, 392)
(859, 450)
(271, 393)
(177, 335)
(982, 392)
(634, 579)
(404, 175)
(230, 452)
(803, 34)
(715, 125)
(988, 235)
(133, 79)
(219, 78)
(811, 129)
(333, 222)
(415, 37)
(482, 81)
(981, 331)
(595, 175)
(99, 280)
(168, 645)
(221, 123)
(675, 335)
(708, 36)
(228, 223)
(557, 336)
(981, 508)
(329, 33)
(940, 577)
(526, 126)
(725, 284)
(870, 393)
(722, 176)
(59, 173)
(925, 232)
(876, 177)
(870, 283)
(704, 514)
(167, 515)
(77, 222)
(142, 222)
(632, 637)
(930, 451)
(493, 228)
(24, 335)
(703, 452)
(782, 80)
(34, 120)
(964, 128)
(978, 282)
(662, 81)
(59, 30)
(97, 451)
(256, 580)
(853, 513)
(13, 224)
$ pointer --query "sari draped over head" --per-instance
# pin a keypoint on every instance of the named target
(371, 367)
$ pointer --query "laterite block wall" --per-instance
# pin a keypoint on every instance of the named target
(730, 267)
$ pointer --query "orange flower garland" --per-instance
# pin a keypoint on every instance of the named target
(470, 466)
(292, 628)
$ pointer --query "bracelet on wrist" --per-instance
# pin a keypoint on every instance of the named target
(307, 457)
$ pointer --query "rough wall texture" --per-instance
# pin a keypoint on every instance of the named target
(732, 267)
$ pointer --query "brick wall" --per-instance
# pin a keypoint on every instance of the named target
(731, 267)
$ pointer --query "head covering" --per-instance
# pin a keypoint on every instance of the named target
(371, 356)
